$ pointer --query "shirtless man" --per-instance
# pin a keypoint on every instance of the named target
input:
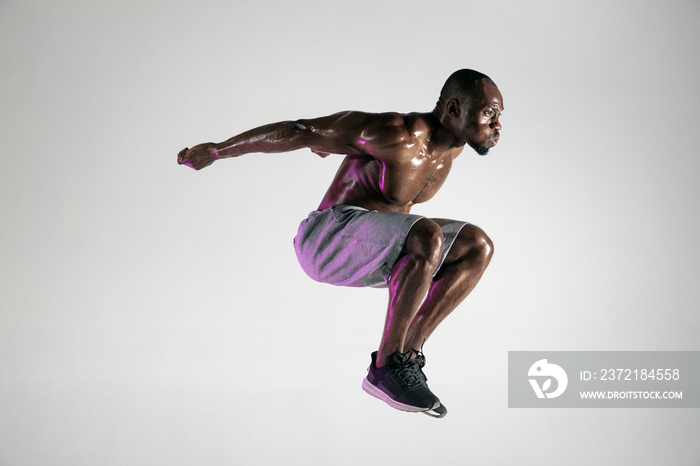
(363, 234)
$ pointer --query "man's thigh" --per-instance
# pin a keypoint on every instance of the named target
(349, 246)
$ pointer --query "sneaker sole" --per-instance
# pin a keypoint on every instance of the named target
(376, 392)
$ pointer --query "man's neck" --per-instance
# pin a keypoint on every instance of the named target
(441, 138)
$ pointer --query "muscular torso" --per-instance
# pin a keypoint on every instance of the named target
(413, 173)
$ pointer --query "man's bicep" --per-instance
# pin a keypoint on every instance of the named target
(354, 132)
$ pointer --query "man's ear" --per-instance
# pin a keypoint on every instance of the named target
(453, 108)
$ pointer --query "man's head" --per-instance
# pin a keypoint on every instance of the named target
(470, 106)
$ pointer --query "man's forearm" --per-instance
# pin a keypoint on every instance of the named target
(276, 137)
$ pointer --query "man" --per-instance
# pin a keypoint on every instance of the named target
(362, 233)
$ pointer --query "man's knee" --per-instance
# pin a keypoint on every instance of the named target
(475, 245)
(425, 243)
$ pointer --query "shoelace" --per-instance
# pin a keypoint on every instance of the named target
(420, 362)
(409, 373)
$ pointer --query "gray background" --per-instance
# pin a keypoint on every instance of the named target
(150, 314)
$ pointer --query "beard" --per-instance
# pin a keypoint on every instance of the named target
(482, 150)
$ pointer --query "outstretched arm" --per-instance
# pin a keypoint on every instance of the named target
(341, 133)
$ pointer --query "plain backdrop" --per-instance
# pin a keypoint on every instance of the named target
(151, 314)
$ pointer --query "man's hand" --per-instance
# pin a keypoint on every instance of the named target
(200, 156)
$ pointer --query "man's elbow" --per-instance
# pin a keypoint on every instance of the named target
(300, 133)
(298, 126)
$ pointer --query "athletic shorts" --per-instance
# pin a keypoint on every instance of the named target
(351, 246)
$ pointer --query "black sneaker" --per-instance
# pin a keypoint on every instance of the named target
(401, 384)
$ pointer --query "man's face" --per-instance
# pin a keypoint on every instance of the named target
(481, 119)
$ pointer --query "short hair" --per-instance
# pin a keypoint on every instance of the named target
(462, 84)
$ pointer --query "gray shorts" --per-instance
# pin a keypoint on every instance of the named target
(351, 246)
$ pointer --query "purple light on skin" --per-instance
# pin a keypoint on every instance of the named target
(361, 142)
(215, 152)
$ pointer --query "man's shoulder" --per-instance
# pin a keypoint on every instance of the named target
(387, 136)
(408, 120)
(418, 121)
(410, 125)
(383, 118)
